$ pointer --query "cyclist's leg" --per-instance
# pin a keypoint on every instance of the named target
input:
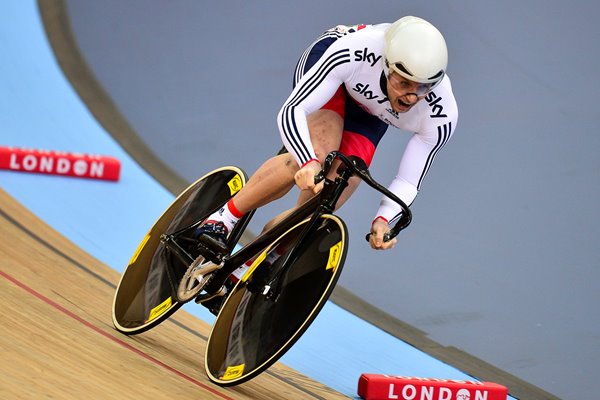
(271, 181)
(272, 175)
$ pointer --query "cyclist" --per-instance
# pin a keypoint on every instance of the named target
(349, 86)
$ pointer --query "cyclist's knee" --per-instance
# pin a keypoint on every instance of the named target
(291, 166)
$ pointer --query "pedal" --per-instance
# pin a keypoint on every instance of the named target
(205, 296)
(211, 249)
(213, 302)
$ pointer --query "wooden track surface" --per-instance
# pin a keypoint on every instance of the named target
(57, 339)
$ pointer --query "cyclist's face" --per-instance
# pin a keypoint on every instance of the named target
(402, 92)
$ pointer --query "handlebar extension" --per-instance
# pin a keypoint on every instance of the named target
(359, 168)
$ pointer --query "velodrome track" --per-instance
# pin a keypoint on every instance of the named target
(58, 340)
(63, 240)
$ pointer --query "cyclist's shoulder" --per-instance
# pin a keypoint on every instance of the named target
(437, 110)
(362, 28)
(365, 44)
(359, 33)
(444, 95)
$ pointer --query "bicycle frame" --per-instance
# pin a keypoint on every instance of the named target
(324, 202)
(231, 263)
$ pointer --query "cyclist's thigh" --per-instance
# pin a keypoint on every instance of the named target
(326, 128)
(362, 132)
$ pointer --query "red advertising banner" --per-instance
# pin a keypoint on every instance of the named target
(60, 163)
(384, 387)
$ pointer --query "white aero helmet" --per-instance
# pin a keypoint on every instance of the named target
(416, 50)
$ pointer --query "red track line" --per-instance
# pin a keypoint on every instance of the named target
(109, 336)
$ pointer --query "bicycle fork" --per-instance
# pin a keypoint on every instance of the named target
(272, 289)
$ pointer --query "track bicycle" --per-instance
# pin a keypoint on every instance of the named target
(296, 264)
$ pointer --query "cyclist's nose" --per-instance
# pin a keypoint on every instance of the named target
(410, 98)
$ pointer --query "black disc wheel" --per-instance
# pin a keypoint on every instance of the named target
(276, 301)
(147, 293)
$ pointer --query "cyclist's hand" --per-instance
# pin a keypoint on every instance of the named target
(305, 177)
(378, 229)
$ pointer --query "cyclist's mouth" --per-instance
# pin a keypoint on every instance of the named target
(402, 106)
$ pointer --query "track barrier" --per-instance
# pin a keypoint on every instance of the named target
(60, 163)
(385, 387)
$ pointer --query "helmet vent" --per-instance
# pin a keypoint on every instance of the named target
(403, 69)
(436, 76)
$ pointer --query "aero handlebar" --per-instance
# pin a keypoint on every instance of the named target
(358, 167)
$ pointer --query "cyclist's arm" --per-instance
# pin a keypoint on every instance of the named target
(438, 116)
(414, 165)
(313, 90)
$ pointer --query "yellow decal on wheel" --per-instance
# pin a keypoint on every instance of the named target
(334, 256)
(255, 264)
(139, 249)
(235, 371)
(235, 184)
(159, 309)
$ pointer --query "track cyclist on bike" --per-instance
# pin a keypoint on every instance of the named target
(349, 86)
